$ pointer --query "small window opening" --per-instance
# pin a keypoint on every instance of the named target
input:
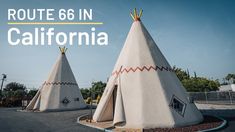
(178, 105)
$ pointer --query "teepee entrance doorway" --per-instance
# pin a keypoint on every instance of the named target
(114, 96)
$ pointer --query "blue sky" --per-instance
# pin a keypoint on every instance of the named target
(194, 34)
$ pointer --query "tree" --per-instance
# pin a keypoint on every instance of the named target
(181, 74)
(195, 84)
(13, 94)
(15, 90)
(200, 84)
(32, 93)
(230, 77)
(85, 92)
(19, 93)
(14, 86)
(98, 88)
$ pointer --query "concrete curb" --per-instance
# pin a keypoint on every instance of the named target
(99, 128)
(216, 128)
(106, 130)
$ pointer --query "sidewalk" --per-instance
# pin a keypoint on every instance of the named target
(225, 111)
(214, 107)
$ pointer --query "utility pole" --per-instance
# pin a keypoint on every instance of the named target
(4, 76)
(91, 100)
(91, 104)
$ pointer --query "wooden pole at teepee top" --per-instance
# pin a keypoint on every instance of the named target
(135, 16)
(63, 50)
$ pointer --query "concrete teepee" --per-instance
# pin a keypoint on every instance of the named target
(60, 91)
(143, 90)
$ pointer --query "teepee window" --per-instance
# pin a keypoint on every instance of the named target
(65, 101)
(76, 99)
(178, 105)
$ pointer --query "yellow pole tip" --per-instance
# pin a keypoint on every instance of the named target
(135, 16)
(63, 49)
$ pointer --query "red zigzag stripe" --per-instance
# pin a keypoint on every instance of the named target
(147, 68)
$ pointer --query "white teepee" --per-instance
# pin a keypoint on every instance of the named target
(60, 91)
(143, 91)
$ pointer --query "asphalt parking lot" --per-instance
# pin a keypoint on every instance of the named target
(225, 111)
(228, 115)
(12, 120)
